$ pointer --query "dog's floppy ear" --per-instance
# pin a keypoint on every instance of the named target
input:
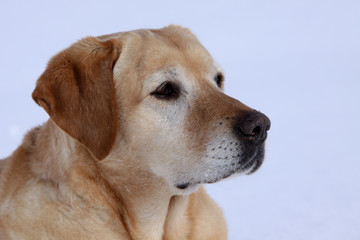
(77, 91)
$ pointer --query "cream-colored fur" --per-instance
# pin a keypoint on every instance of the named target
(142, 178)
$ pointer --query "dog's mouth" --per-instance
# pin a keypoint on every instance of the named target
(254, 162)
(249, 163)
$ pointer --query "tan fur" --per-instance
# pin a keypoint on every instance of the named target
(104, 165)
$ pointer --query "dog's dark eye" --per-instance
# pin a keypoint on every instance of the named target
(219, 79)
(166, 91)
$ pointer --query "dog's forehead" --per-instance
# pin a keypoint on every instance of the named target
(153, 50)
(183, 48)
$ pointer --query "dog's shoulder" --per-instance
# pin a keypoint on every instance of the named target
(21, 155)
(30, 198)
(14, 170)
(2, 164)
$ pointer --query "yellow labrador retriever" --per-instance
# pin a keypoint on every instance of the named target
(138, 122)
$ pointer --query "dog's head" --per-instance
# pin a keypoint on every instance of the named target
(155, 96)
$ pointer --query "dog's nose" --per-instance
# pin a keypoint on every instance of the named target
(253, 127)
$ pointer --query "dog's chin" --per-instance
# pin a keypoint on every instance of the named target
(247, 165)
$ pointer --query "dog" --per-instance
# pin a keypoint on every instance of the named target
(138, 124)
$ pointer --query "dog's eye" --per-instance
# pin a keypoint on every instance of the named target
(219, 79)
(166, 91)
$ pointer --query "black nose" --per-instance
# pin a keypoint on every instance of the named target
(253, 127)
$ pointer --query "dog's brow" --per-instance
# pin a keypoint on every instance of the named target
(171, 73)
(161, 75)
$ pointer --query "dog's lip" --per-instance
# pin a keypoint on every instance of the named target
(256, 161)
(183, 185)
(186, 185)
(251, 165)
(254, 167)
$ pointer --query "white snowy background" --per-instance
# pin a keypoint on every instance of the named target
(296, 61)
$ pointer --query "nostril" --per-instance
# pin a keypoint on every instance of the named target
(256, 131)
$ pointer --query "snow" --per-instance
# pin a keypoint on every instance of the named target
(296, 61)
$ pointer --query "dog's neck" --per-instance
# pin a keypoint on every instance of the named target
(150, 205)
(144, 204)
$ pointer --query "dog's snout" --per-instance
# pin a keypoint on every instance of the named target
(253, 127)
